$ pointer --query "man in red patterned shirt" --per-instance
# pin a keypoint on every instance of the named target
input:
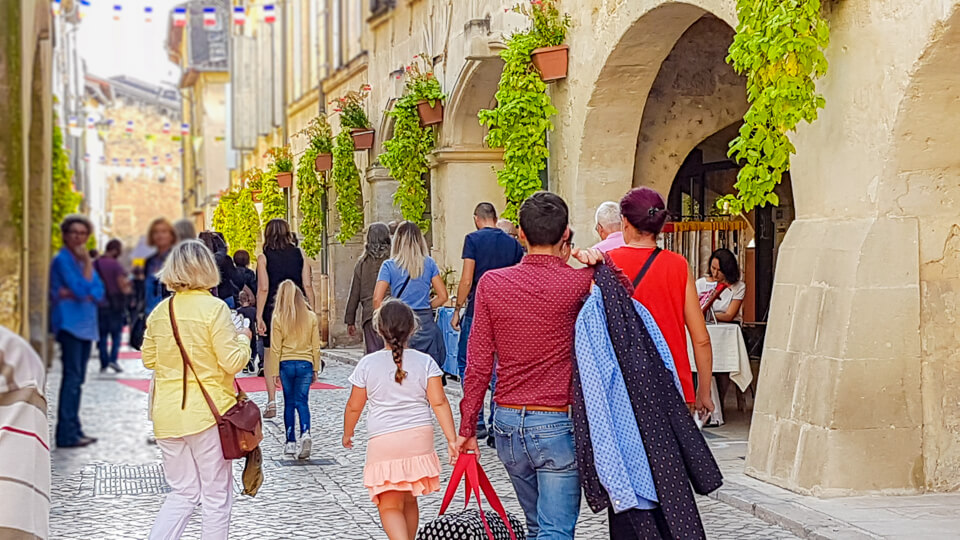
(525, 317)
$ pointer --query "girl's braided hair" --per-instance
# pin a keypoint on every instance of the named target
(396, 323)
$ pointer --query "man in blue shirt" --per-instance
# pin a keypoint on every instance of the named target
(75, 292)
(487, 248)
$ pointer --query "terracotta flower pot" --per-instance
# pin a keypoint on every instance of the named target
(285, 179)
(363, 139)
(255, 195)
(551, 62)
(430, 116)
(324, 162)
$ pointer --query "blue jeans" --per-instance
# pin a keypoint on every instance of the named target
(111, 330)
(538, 452)
(465, 324)
(75, 353)
(296, 376)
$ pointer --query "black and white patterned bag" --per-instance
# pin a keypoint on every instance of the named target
(472, 523)
(468, 525)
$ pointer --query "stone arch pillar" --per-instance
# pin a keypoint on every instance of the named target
(857, 391)
(462, 166)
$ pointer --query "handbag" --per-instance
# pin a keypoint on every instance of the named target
(241, 428)
(472, 524)
(137, 330)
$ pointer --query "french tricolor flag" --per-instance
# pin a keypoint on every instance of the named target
(184, 129)
(86, 157)
(91, 123)
(148, 14)
(166, 128)
(117, 10)
(156, 160)
(143, 162)
(269, 13)
(129, 126)
(239, 15)
(179, 16)
(209, 17)
(169, 158)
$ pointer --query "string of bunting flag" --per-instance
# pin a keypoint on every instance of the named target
(180, 15)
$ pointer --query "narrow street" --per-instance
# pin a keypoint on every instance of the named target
(114, 488)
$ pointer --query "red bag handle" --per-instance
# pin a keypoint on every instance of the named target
(476, 480)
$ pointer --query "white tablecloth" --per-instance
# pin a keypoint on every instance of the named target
(729, 353)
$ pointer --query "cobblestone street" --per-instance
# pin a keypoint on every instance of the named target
(114, 488)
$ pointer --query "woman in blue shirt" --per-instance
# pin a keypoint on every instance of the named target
(75, 292)
(409, 274)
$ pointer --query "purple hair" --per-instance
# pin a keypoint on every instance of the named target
(645, 209)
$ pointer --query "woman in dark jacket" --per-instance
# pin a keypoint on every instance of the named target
(227, 288)
(365, 273)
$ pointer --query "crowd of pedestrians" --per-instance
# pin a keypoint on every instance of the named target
(206, 316)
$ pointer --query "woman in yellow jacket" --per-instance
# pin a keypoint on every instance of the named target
(184, 425)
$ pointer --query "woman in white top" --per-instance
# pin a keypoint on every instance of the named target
(401, 385)
(722, 291)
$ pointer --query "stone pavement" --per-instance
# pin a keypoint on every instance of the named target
(114, 488)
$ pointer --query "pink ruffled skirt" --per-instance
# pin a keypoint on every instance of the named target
(402, 461)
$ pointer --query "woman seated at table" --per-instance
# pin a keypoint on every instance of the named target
(722, 291)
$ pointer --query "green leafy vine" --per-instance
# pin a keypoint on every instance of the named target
(346, 182)
(236, 217)
(779, 46)
(406, 152)
(521, 119)
(311, 185)
(65, 199)
(274, 203)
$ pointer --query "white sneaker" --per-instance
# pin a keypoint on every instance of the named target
(305, 445)
(290, 448)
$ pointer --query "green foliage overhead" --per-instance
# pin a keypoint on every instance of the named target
(274, 202)
(65, 199)
(779, 46)
(421, 83)
(346, 182)
(236, 217)
(310, 187)
(521, 119)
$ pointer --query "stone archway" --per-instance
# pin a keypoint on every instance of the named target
(462, 170)
(604, 159)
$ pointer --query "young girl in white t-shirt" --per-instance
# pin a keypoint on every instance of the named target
(402, 385)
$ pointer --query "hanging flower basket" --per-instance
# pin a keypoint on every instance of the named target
(284, 179)
(551, 62)
(256, 194)
(363, 139)
(324, 162)
(430, 115)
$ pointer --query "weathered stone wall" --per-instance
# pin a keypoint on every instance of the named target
(25, 113)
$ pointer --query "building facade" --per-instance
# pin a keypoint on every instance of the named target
(859, 366)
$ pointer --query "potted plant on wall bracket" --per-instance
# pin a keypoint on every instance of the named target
(354, 117)
(423, 86)
(252, 181)
(319, 137)
(549, 32)
(405, 154)
(281, 165)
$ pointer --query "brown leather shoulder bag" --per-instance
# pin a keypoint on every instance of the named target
(241, 428)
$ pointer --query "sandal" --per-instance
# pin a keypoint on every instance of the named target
(270, 411)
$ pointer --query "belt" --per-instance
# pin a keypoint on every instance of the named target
(535, 408)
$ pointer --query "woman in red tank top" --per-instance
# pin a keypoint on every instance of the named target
(667, 290)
